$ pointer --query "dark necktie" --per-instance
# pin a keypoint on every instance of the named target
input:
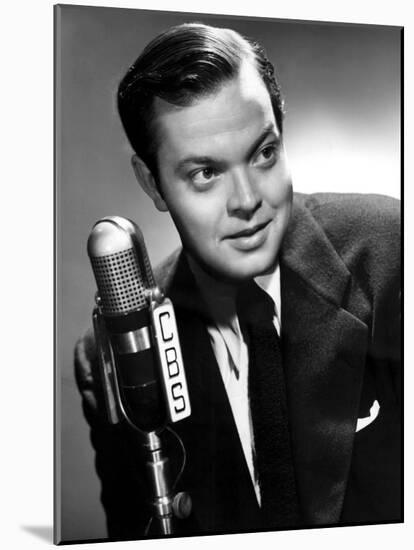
(267, 397)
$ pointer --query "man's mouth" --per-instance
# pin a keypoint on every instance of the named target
(251, 238)
(248, 232)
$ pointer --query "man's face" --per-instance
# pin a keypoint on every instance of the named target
(224, 177)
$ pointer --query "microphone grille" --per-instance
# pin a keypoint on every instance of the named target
(120, 282)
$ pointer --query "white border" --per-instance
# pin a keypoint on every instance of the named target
(27, 160)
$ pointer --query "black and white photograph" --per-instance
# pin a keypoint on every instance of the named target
(228, 353)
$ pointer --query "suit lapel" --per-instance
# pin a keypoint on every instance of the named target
(221, 489)
(324, 345)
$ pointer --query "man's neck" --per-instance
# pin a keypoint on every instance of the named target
(220, 295)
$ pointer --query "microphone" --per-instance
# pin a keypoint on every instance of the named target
(140, 322)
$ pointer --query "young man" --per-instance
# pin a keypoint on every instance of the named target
(275, 438)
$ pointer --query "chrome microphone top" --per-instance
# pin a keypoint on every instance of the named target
(121, 265)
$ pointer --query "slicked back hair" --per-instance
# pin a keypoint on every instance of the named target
(181, 65)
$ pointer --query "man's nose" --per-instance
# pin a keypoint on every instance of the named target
(244, 198)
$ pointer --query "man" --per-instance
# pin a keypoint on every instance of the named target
(275, 438)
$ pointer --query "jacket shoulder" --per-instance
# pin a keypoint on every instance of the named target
(364, 230)
(165, 271)
(353, 213)
(353, 222)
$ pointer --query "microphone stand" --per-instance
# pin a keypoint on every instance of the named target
(158, 473)
(165, 505)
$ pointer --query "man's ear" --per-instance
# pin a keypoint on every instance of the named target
(148, 183)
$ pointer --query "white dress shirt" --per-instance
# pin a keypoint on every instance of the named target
(231, 351)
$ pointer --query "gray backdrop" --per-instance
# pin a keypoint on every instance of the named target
(342, 132)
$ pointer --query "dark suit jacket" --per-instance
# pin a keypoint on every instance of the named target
(340, 295)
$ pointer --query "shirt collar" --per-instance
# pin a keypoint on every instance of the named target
(270, 283)
(220, 299)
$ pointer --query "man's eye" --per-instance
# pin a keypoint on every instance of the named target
(203, 176)
(267, 155)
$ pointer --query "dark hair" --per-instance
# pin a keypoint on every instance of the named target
(180, 65)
